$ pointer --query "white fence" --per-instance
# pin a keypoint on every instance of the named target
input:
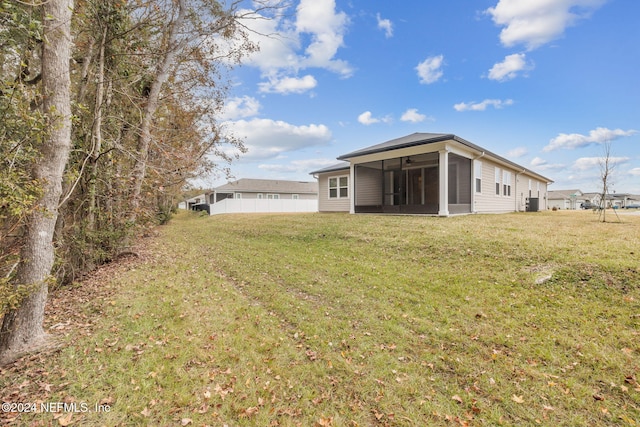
(263, 206)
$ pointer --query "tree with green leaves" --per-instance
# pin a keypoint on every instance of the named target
(132, 115)
(22, 327)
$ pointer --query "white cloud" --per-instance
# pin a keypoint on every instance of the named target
(597, 136)
(509, 68)
(289, 43)
(537, 161)
(587, 163)
(412, 115)
(367, 118)
(535, 23)
(430, 70)
(288, 85)
(517, 152)
(240, 107)
(481, 106)
(386, 25)
(540, 164)
(635, 172)
(319, 19)
(298, 166)
(265, 138)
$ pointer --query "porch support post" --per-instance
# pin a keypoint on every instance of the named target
(352, 189)
(443, 167)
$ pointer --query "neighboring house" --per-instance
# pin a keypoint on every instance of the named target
(621, 200)
(566, 199)
(200, 199)
(264, 189)
(428, 173)
(573, 199)
(258, 195)
(592, 198)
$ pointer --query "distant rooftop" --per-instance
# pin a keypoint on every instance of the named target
(250, 185)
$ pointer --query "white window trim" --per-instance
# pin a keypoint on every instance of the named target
(477, 172)
(259, 195)
(273, 196)
(295, 196)
(498, 176)
(338, 187)
(506, 183)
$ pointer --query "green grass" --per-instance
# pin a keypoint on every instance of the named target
(333, 319)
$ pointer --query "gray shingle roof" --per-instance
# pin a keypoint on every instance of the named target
(416, 139)
(249, 185)
(333, 168)
(403, 142)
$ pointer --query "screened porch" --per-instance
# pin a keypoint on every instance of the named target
(411, 185)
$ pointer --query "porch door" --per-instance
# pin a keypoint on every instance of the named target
(415, 187)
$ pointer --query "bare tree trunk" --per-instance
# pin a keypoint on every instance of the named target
(22, 329)
(96, 137)
(173, 49)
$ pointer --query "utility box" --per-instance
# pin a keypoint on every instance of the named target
(533, 204)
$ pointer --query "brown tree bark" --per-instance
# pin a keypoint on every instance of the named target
(22, 329)
(174, 48)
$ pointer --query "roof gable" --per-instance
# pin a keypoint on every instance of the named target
(403, 142)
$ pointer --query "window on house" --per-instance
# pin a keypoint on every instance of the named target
(497, 181)
(506, 183)
(260, 195)
(295, 196)
(529, 188)
(538, 186)
(477, 171)
(273, 196)
(339, 187)
(238, 195)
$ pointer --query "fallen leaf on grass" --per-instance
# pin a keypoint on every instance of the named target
(249, 411)
(186, 421)
(66, 419)
(324, 422)
(145, 412)
(517, 399)
(457, 398)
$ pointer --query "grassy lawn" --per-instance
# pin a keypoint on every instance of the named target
(351, 320)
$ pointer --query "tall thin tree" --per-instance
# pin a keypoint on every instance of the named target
(606, 169)
(22, 329)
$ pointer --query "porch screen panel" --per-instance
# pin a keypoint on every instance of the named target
(368, 179)
(393, 185)
(460, 184)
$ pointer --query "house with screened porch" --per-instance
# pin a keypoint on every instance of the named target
(429, 173)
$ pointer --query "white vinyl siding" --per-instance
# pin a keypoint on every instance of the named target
(488, 201)
(326, 203)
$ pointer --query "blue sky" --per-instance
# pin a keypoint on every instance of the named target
(544, 83)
